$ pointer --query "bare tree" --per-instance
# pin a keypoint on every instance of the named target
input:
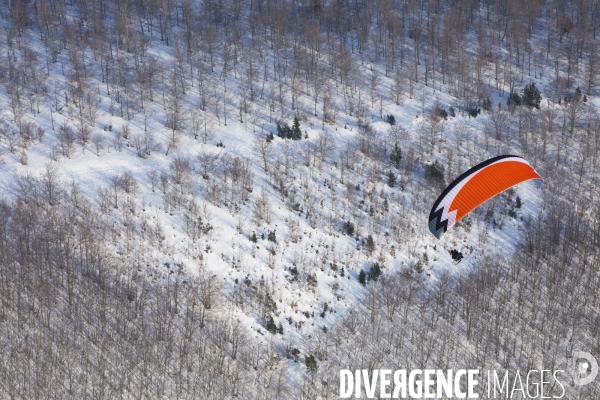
(128, 183)
(593, 61)
(255, 118)
(208, 161)
(152, 178)
(209, 292)
(287, 154)
(51, 178)
(329, 108)
(116, 186)
(66, 136)
(263, 150)
(118, 140)
(180, 169)
(201, 125)
(325, 145)
(572, 111)
(145, 144)
(98, 142)
(397, 89)
(497, 123)
(175, 122)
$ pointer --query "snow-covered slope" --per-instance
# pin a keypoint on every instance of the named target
(170, 148)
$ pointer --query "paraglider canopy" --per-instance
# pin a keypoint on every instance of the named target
(475, 187)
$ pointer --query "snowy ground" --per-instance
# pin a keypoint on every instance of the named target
(311, 245)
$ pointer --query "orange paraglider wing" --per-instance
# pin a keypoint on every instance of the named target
(475, 187)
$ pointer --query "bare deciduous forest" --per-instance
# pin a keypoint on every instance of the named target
(228, 199)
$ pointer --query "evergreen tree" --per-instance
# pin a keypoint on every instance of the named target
(311, 364)
(513, 99)
(362, 277)
(296, 132)
(435, 173)
(325, 308)
(451, 111)
(518, 202)
(532, 96)
(271, 327)
(295, 354)
(370, 244)
(419, 266)
(441, 113)
(280, 130)
(487, 104)
(391, 179)
(285, 132)
(577, 96)
(374, 272)
(396, 156)
(253, 238)
(349, 228)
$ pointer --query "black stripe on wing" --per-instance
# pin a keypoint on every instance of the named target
(439, 227)
(436, 225)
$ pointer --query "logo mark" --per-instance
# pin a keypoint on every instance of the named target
(585, 368)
